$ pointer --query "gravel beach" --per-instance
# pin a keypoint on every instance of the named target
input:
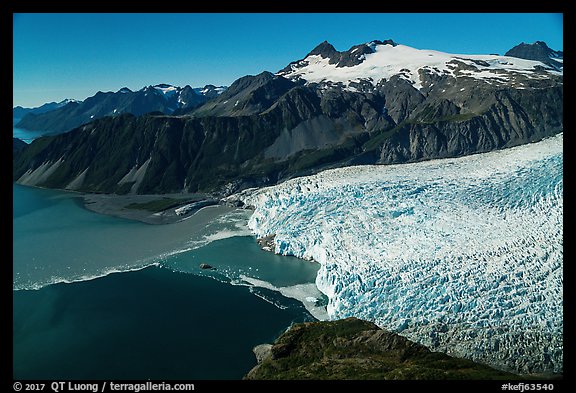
(118, 206)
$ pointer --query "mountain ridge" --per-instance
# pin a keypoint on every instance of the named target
(18, 112)
(538, 51)
(412, 105)
(354, 349)
(163, 98)
(378, 61)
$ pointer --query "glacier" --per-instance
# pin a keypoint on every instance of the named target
(463, 255)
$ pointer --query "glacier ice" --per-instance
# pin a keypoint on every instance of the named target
(464, 255)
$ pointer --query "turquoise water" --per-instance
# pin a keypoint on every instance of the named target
(102, 297)
(25, 135)
(28, 135)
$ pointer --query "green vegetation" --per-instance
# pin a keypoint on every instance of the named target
(158, 205)
(310, 158)
(440, 112)
(124, 188)
(456, 117)
(356, 349)
(380, 137)
(315, 158)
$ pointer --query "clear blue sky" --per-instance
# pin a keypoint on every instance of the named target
(58, 56)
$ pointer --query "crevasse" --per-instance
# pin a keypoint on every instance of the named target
(464, 255)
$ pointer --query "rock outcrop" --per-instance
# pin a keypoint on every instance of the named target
(355, 349)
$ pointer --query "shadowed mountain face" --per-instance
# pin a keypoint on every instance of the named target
(19, 112)
(17, 145)
(376, 103)
(538, 51)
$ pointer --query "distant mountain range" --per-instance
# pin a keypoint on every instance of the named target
(167, 99)
(19, 112)
(376, 103)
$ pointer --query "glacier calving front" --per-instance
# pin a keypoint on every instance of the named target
(464, 255)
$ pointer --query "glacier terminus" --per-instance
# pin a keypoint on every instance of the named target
(464, 255)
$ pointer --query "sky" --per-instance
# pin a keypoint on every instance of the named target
(59, 56)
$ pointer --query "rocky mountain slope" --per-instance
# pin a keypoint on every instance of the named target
(159, 98)
(538, 51)
(379, 102)
(359, 350)
(17, 145)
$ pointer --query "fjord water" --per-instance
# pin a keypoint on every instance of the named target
(25, 135)
(152, 323)
(102, 297)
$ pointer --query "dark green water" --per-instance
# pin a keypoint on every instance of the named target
(87, 307)
(152, 323)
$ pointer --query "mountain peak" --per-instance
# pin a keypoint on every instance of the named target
(365, 65)
(67, 101)
(385, 42)
(160, 98)
(538, 45)
(352, 57)
(538, 51)
(166, 90)
(324, 49)
(327, 50)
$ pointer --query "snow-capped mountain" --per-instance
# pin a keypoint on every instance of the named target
(210, 91)
(398, 244)
(366, 66)
(377, 103)
(539, 51)
(158, 98)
